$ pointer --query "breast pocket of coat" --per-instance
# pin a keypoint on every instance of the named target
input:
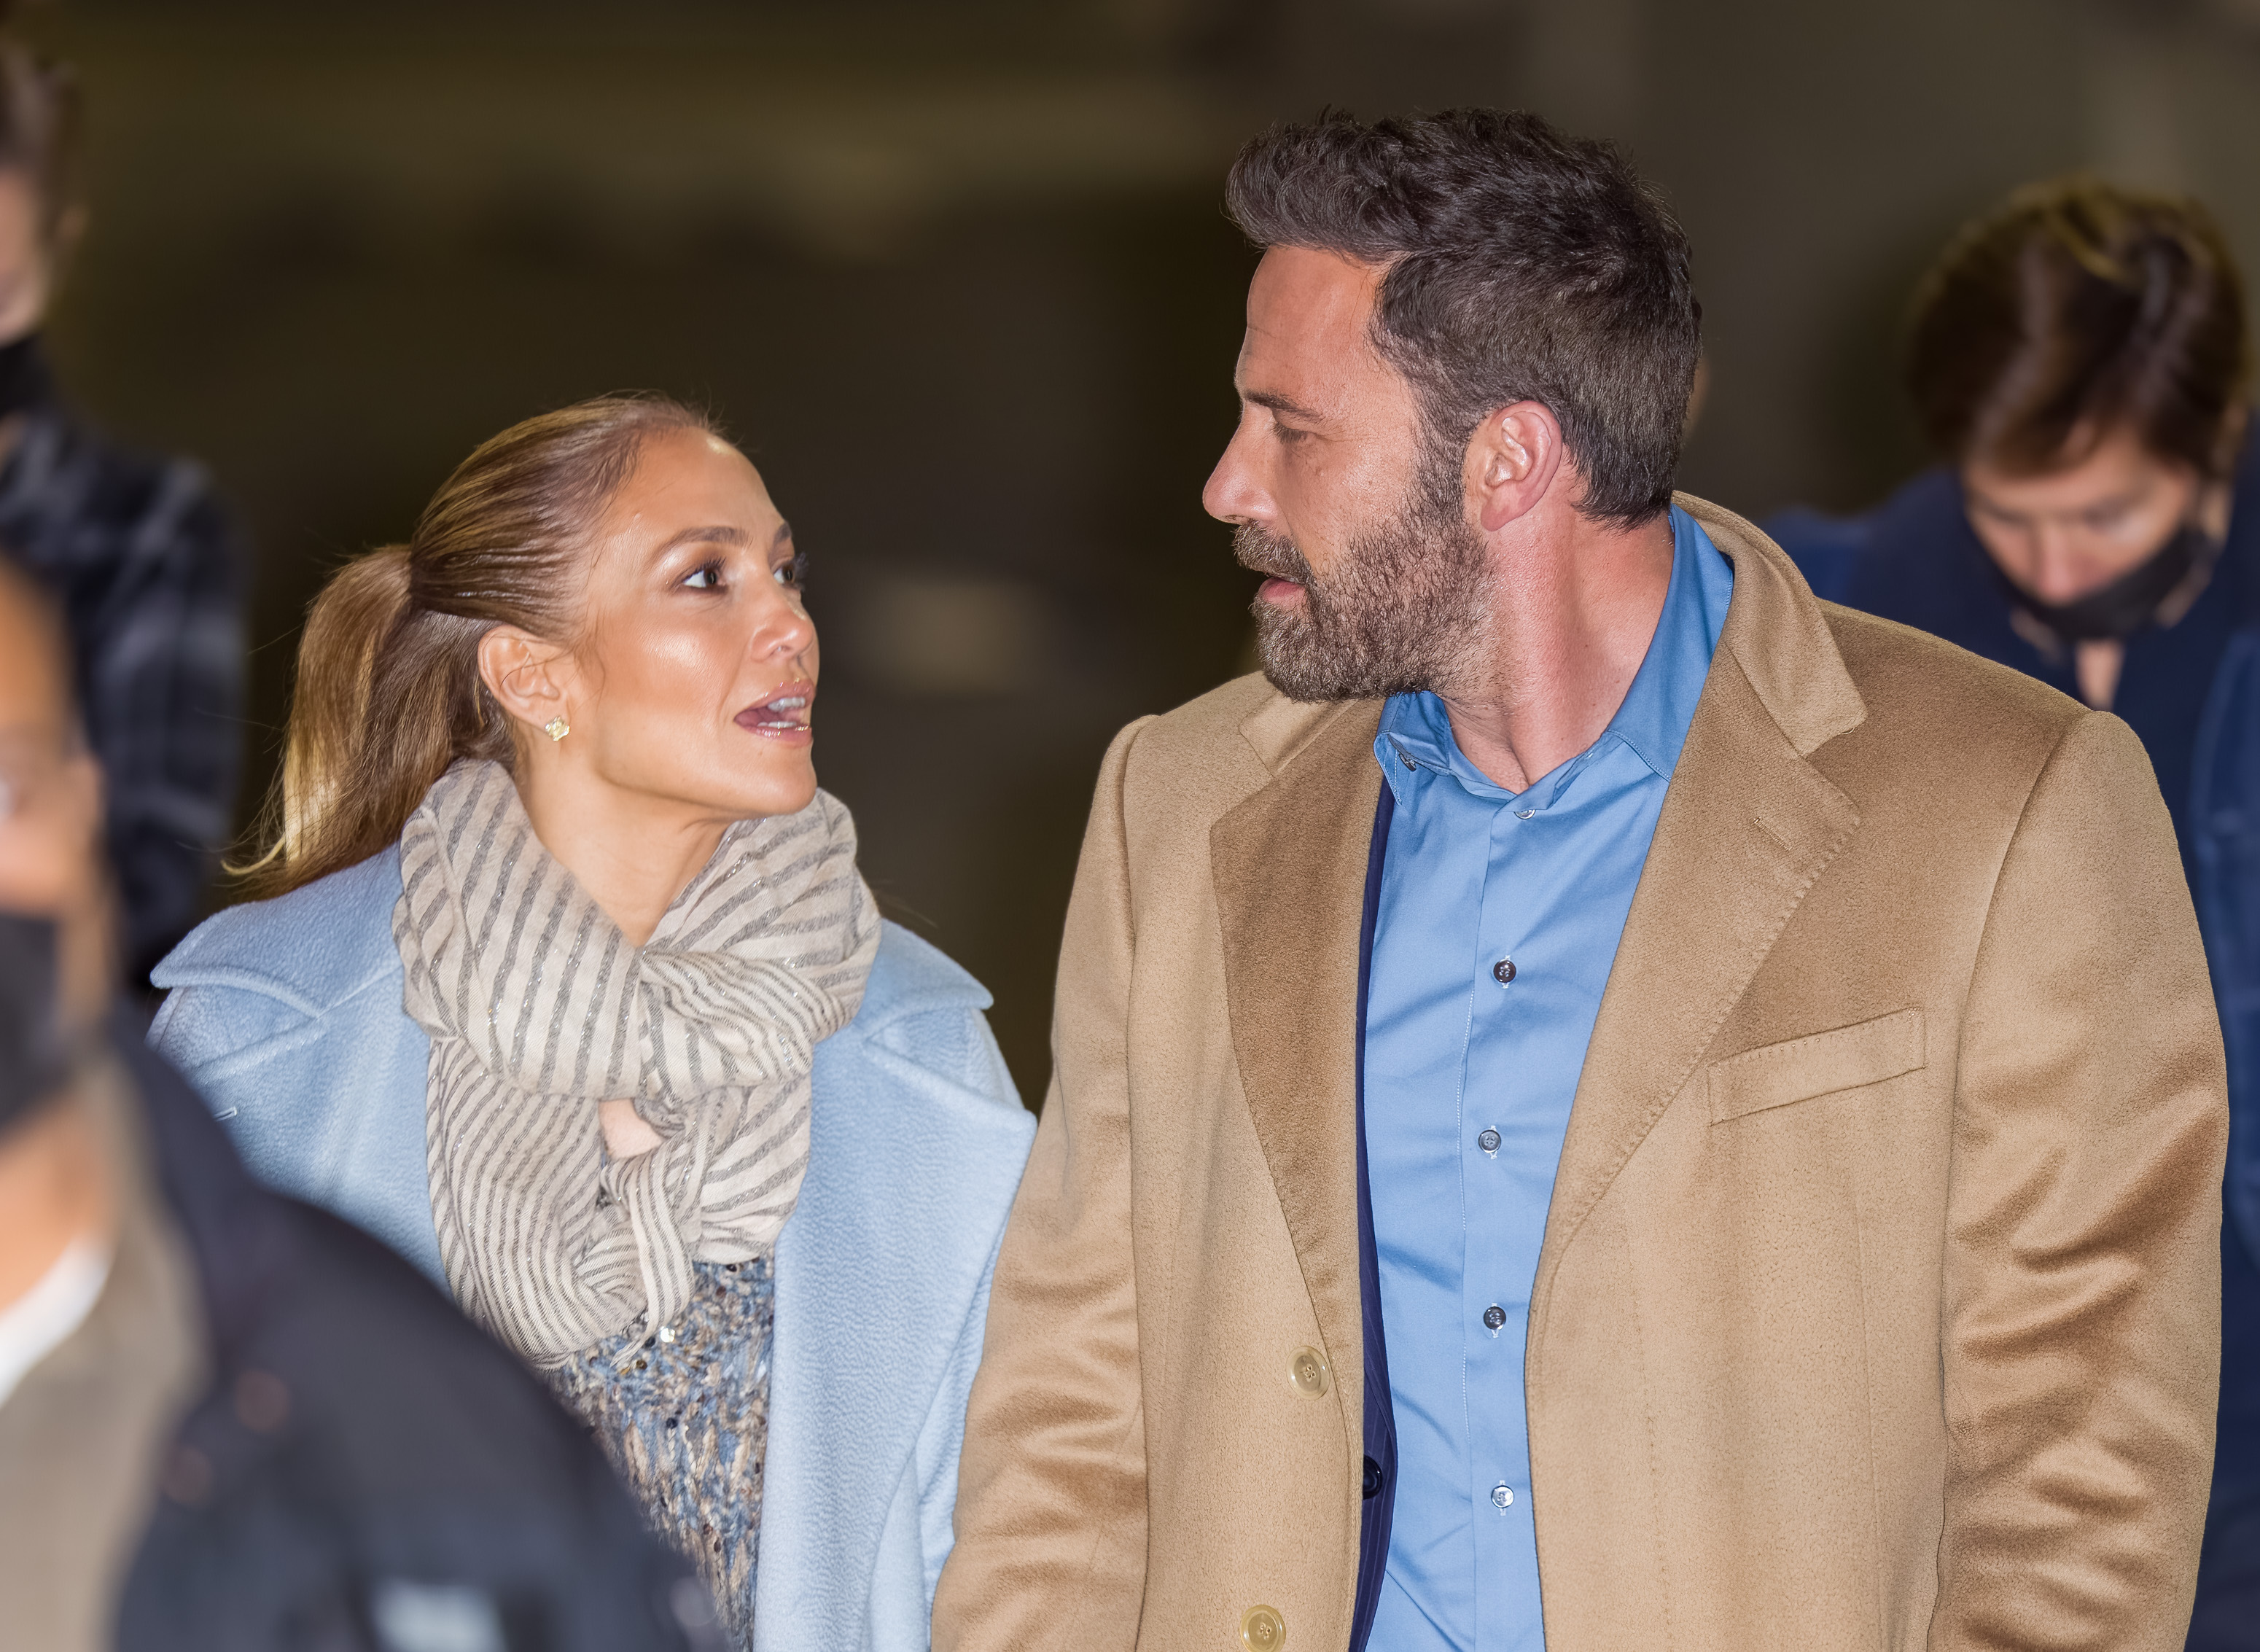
(1818, 1064)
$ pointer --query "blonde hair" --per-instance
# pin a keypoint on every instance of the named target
(388, 691)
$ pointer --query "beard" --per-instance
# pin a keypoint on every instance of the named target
(1402, 613)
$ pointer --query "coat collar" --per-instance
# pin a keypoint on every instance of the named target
(1747, 826)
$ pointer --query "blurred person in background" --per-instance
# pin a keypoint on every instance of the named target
(2081, 361)
(228, 1420)
(569, 989)
(138, 550)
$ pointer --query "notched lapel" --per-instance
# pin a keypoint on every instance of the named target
(1746, 828)
(1289, 868)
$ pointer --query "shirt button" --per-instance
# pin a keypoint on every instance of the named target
(1502, 1497)
(1262, 1629)
(1306, 1373)
(1488, 1141)
(1524, 814)
(1494, 1317)
(1402, 758)
(1503, 971)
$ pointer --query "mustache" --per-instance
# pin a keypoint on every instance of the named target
(1267, 553)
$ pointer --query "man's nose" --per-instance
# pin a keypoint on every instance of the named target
(2060, 573)
(1233, 492)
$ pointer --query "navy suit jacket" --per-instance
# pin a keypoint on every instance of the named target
(1380, 1419)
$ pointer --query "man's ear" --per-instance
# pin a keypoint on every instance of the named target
(525, 675)
(1514, 456)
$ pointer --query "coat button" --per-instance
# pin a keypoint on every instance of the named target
(1502, 1497)
(1372, 1477)
(1262, 1629)
(1488, 1140)
(1503, 971)
(1307, 1373)
(1494, 1317)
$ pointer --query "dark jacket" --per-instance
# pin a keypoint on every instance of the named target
(2191, 691)
(416, 1487)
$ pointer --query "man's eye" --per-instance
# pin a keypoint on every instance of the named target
(708, 576)
(792, 574)
(1288, 433)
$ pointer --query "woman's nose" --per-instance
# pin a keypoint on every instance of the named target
(786, 628)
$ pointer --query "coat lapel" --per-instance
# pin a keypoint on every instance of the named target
(1289, 864)
(1747, 826)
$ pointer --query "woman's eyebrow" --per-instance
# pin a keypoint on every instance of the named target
(722, 535)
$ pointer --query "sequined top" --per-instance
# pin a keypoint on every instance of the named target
(686, 1423)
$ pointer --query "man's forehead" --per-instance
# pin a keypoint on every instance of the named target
(2113, 471)
(1308, 322)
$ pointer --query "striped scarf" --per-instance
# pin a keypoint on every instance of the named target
(538, 1009)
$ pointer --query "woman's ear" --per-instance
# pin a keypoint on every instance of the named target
(528, 678)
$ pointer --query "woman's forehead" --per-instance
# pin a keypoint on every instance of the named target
(688, 480)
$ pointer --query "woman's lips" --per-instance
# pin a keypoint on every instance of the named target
(782, 716)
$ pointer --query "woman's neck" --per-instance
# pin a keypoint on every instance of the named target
(632, 853)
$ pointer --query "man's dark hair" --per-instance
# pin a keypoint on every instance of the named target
(2076, 309)
(1522, 264)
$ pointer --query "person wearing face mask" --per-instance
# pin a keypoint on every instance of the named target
(228, 1420)
(2081, 361)
(566, 987)
(138, 549)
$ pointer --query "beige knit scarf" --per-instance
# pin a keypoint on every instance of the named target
(538, 1009)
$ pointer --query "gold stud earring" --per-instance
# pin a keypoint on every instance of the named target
(557, 728)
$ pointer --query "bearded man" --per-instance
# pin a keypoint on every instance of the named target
(1601, 1102)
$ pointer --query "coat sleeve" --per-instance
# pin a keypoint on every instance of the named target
(2082, 1267)
(1051, 1503)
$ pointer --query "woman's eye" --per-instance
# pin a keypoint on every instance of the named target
(793, 574)
(708, 578)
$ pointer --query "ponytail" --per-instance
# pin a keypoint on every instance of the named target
(388, 693)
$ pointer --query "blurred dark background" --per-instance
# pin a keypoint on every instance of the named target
(957, 276)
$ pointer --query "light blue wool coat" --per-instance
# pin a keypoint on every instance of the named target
(286, 1015)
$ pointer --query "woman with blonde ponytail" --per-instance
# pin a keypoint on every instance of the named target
(559, 979)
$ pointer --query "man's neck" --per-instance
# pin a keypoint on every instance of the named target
(54, 1188)
(1573, 606)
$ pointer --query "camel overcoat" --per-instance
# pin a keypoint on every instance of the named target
(1878, 1304)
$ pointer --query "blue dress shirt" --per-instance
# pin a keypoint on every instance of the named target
(1498, 918)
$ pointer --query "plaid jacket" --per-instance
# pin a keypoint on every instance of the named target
(149, 570)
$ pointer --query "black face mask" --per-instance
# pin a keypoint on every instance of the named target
(34, 1057)
(2129, 602)
(25, 381)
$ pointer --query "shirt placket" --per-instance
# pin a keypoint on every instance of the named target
(1495, 1284)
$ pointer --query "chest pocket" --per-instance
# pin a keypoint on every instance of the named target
(1820, 1064)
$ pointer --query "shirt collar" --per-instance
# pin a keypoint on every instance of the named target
(1654, 718)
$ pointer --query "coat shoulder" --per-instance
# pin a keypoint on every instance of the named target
(313, 947)
(1199, 760)
(266, 975)
(1924, 689)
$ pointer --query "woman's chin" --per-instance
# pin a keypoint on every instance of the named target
(784, 787)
